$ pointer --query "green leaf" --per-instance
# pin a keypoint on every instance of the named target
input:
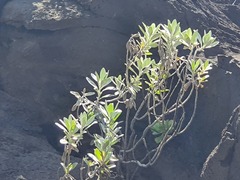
(174, 28)
(91, 83)
(147, 62)
(89, 163)
(207, 65)
(105, 144)
(106, 96)
(108, 157)
(159, 139)
(90, 120)
(76, 94)
(211, 43)
(93, 157)
(159, 91)
(142, 30)
(69, 123)
(186, 38)
(157, 128)
(63, 141)
(103, 111)
(115, 115)
(83, 119)
(103, 74)
(166, 34)
(206, 37)
(195, 37)
(71, 166)
(61, 127)
(152, 45)
(215, 43)
(64, 168)
(105, 82)
(95, 78)
(110, 108)
(113, 158)
(98, 154)
(161, 127)
(185, 43)
(195, 65)
(111, 166)
(98, 143)
(89, 93)
(109, 88)
(199, 39)
(188, 34)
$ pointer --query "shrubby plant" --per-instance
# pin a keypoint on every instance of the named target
(149, 99)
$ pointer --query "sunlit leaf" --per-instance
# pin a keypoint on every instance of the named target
(76, 94)
(93, 157)
(98, 154)
(63, 141)
(91, 83)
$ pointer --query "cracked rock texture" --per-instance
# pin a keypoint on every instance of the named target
(48, 47)
(223, 162)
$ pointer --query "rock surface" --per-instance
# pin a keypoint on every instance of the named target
(48, 47)
(223, 162)
(24, 151)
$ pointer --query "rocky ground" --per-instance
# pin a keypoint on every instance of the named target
(48, 47)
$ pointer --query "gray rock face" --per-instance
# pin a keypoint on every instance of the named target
(24, 151)
(223, 162)
(51, 14)
(48, 47)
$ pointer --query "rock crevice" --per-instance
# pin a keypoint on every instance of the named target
(221, 163)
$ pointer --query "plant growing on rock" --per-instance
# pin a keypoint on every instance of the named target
(151, 96)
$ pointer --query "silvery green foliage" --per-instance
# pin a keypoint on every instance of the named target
(153, 92)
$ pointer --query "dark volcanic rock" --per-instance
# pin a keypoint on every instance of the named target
(223, 162)
(23, 147)
(47, 48)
